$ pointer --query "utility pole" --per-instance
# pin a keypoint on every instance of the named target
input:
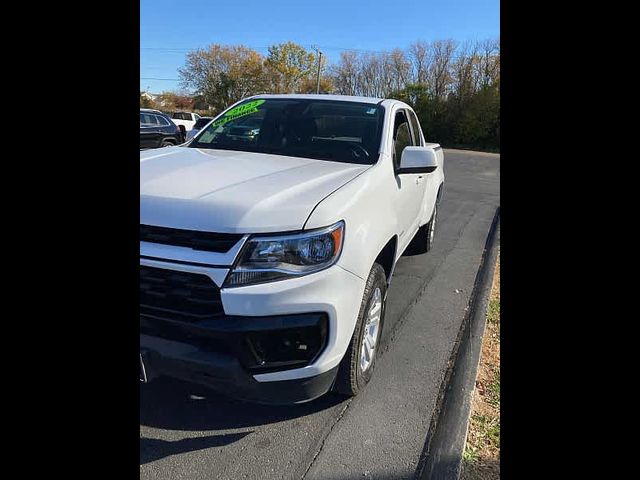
(319, 68)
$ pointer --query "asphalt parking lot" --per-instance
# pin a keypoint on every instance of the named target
(188, 432)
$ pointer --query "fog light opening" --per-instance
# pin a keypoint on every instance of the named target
(285, 348)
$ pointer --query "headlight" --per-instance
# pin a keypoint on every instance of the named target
(264, 259)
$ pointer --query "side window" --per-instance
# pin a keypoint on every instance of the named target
(415, 126)
(147, 120)
(401, 137)
(161, 121)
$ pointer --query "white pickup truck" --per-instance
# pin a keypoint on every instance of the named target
(185, 121)
(268, 241)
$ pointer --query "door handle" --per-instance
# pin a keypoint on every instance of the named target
(419, 179)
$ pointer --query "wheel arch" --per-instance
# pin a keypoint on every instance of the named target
(386, 258)
(440, 193)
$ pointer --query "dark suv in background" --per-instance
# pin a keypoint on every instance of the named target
(157, 130)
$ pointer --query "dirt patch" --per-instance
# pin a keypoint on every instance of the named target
(481, 459)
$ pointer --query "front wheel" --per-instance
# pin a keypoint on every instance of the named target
(356, 368)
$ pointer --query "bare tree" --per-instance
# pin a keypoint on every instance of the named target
(399, 70)
(346, 74)
(489, 62)
(440, 68)
(420, 57)
(372, 75)
(463, 70)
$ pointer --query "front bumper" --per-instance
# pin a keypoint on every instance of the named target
(223, 370)
(211, 352)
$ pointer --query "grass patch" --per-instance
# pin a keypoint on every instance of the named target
(481, 457)
(493, 391)
(493, 314)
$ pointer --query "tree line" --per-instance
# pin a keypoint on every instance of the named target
(453, 87)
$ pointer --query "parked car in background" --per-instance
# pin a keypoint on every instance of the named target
(157, 130)
(268, 242)
(201, 122)
(247, 130)
(185, 120)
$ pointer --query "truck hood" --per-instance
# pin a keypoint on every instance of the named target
(234, 192)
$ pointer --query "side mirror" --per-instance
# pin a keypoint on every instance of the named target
(418, 160)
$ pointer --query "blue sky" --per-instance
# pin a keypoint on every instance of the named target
(169, 29)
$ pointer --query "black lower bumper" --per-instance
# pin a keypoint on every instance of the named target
(221, 354)
(224, 373)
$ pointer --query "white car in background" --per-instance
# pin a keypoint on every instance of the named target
(184, 120)
(267, 243)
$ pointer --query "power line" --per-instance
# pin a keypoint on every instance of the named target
(179, 50)
(324, 47)
(262, 47)
(165, 48)
(167, 79)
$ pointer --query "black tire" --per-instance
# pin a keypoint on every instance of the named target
(423, 240)
(351, 379)
(167, 143)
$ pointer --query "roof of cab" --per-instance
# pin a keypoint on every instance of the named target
(322, 96)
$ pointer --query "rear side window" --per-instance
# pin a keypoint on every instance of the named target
(181, 116)
(415, 126)
(401, 137)
(161, 120)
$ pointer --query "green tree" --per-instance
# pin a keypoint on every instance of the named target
(289, 65)
(223, 75)
(310, 84)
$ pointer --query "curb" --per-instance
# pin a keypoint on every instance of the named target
(444, 446)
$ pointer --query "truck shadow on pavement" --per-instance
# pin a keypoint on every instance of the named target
(174, 405)
(153, 449)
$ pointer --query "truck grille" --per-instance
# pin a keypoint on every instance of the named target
(174, 295)
(205, 241)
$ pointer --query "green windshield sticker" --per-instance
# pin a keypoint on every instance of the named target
(239, 111)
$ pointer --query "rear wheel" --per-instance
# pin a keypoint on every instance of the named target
(423, 241)
(357, 366)
(167, 143)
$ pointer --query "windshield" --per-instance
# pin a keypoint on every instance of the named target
(339, 131)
